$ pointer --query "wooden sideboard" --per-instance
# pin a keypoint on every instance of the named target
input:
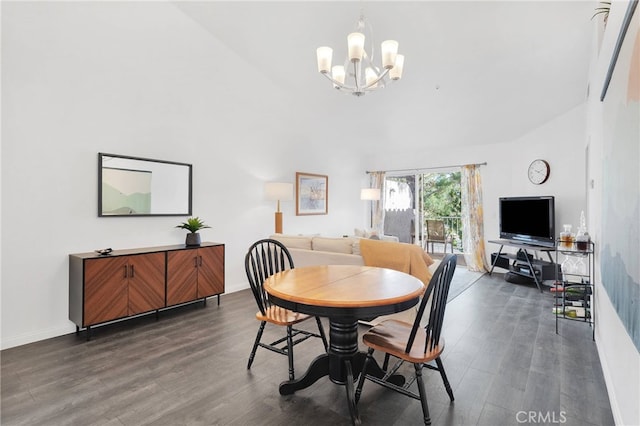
(126, 283)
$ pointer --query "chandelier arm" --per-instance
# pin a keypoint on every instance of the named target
(356, 76)
(373, 83)
(356, 89)
(336, 82)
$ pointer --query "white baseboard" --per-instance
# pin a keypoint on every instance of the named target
(67, 328)
(26, 338)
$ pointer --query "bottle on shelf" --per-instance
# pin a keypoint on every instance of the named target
(582, 237)
(576, 298)
(566, 237)
(570, 288)
(573, 295)
(566, 242)
(572, 311)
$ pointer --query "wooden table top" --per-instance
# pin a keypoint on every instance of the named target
(344, 286)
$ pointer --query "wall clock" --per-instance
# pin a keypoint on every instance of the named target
(539, 171)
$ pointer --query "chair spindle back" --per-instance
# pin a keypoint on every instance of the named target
(263, 259)
(437, 291)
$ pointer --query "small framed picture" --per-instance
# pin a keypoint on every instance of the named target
(311, 194)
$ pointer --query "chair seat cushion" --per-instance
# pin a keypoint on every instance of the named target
(281, 316)
(391, 336)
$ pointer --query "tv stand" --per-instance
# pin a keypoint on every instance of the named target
(523, 262)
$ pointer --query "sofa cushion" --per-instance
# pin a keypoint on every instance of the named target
(364, 233)
(303, 258)
(293, 241)
(355, 247)
(335, 245)
(372, 234)
(360, 233)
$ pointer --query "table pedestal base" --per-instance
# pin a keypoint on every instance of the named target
(343, 364)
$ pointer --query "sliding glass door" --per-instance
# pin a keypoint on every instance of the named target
(412, 201)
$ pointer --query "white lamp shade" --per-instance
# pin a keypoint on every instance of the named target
(338, 74)
(370, 77)
(324, 55)
(395, 73)
(370, 194)
(355, 42)
(278, 191)
(389, 49)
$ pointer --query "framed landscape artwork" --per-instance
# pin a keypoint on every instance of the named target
(620, 244)
(311, 194)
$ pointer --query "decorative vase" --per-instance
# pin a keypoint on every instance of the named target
(193, 239)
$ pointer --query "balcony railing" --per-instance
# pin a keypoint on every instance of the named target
(400, 223)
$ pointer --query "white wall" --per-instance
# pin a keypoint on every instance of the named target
(137, 79)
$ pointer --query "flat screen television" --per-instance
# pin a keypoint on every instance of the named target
(528, 220)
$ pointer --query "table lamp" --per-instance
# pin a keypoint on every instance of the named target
(278, 191)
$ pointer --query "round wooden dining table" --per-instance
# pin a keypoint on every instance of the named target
(344, 294)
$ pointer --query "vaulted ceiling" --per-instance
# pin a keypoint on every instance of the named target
(476, 72)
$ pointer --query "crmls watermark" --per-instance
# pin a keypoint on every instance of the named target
(547, 417)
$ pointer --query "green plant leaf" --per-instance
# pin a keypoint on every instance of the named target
(602, 10)
(193, 224)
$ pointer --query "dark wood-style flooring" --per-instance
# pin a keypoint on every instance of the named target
(506, 364)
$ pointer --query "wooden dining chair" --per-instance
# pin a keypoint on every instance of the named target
(412, 342)
(263, 259)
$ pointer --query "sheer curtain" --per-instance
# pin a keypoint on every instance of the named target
(472, 219)
(377, 181)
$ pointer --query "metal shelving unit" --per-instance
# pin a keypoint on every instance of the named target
(574, 287)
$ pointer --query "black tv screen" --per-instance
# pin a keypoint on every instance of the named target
(530, 220)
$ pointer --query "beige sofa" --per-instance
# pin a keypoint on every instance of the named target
(315, 250)
(312, 250)
(325, 251)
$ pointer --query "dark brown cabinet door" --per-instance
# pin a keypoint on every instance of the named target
(146, 282)
(210, 271)
(182, 276)
(105, 292)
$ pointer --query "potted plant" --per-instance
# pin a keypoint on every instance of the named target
(605, 7)
(193, 225)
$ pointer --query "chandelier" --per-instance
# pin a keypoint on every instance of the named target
(359, 74)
